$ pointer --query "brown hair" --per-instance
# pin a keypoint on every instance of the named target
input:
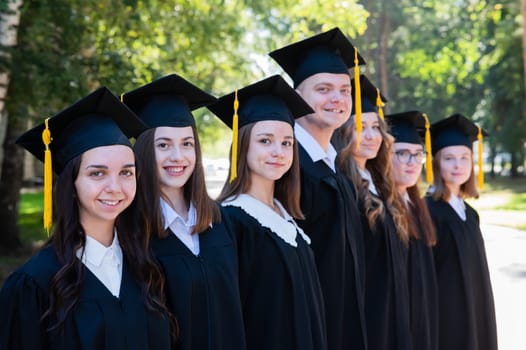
(149, 190)
(419, 218)
(381, 170)
(441, 191)
(287, 188)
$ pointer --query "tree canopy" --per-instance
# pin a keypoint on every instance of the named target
(436, 56)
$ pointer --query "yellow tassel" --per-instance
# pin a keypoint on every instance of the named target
(379, 104)
(122, 97)
(48, 179)
(429, 164)
(235, 127)
(480, 160)
(357, 99)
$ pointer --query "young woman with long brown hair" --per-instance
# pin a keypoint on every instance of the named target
(408, 129)
(467, 311)
(280, 291)
(188, 237)
(365, 157)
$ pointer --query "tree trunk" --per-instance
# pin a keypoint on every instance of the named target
(10, 185)
(11, 169)
(383, 43)
(523, 11)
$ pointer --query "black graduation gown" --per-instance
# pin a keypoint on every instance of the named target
(98, 321)
(386, 286)
(333, 223)
(203, 291)
(467, 311)
(423, 295)
(280, 290)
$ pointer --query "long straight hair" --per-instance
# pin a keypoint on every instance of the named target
(194, 190)
(286, 189)
(419, 218)
(381, 170)
(69, 236)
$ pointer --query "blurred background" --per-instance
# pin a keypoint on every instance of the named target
(439, 57)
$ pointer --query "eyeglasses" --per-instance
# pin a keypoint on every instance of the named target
(405, 156)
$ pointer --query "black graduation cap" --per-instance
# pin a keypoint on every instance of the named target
(407, 126)
(327, 52)
(372, 99)
(455, 130)
(167, 101)
(412, 127)
(98, 119)
(268, 99)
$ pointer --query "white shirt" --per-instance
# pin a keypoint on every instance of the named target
(182, 229)
(458, 205)
(313, 148)
(104, 262)
(366, 175)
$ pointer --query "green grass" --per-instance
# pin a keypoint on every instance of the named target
(30, 218)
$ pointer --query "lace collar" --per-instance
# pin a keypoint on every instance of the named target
(284, 227)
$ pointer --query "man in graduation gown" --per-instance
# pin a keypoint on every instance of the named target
(319, 68)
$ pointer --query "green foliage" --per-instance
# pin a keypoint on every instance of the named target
(30, 217)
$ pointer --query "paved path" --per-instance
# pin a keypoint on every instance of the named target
(506, 252)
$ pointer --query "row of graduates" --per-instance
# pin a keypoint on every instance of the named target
(319, 239)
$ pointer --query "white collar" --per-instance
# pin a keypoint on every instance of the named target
(170, 215)
(284, 227)
(366, 175)
(458, 205)
(313, 148)
(94, 251)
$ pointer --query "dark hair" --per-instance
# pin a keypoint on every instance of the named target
(287, 188)
(381, 170)
(69, 236)
(441, 191)
(149, 190)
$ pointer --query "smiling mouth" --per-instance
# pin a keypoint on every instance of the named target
(110, 203)
(333, 110)
(175, 170)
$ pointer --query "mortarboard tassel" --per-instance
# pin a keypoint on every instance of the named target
(357, 99)
(235, 127)
(480, 160)
(379, 104)
(48, 179)
(427, 140)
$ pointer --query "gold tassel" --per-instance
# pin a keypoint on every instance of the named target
(122, 97)
(379, 104)
(357, 99)
(48, 179)
(235, 127)
(429, 164)
(480, 160)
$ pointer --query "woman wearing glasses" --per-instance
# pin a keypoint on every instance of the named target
(365, 156)
(408, 128)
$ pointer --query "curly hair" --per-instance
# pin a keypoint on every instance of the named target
(381, 170)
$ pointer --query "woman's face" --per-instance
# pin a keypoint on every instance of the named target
(407, 164)
(105, 184)
(175, 156)
(456, 163)
(270, 151)
(370, 140)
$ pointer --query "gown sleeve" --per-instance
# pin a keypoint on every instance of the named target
(22, 304)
